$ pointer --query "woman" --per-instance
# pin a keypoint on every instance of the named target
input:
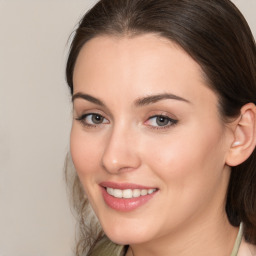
(164, 130)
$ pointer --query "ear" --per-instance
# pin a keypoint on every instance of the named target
(244, 136)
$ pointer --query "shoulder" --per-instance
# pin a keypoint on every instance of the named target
(246, 249)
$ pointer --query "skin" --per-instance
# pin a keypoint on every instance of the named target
(185, 161)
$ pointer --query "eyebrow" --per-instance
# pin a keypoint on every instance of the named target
(158, 97)
(139, 102)
(88, 98)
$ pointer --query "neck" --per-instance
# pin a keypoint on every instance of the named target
(215, 237)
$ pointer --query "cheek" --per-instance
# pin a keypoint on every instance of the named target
(84, 151)
(190, 173)
(183, 159)
(86, 158)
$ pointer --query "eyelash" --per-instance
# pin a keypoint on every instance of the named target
(82, 120)
(171, 121)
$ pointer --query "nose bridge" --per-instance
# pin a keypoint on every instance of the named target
(120, 150)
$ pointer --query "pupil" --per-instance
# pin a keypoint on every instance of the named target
(162, 121)
(97, 119)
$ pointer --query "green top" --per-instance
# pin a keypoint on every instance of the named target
(107, 248)
(238, 241)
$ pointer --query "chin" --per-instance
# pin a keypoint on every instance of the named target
(123, 236)
(125, 240)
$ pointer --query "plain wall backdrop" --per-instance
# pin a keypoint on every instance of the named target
(35, 119)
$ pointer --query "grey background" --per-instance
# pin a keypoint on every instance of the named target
(35, 119)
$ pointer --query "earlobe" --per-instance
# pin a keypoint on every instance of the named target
(244, 136)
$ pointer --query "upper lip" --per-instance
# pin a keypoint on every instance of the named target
(109, 184)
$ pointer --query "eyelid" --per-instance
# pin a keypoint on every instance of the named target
(82, 119)
(83, 107)
(172, 121)
(81, 111)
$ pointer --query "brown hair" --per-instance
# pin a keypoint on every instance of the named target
(216, 35)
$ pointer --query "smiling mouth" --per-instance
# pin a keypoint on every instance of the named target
(129, 193)
(126, 197)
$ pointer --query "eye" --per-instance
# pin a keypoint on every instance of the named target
(161, 121)
(92, 119)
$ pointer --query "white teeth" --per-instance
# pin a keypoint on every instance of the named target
(118, 193)
(129, 193)
(110, 191)
(150, 191)
(143, 192)
(136, 193)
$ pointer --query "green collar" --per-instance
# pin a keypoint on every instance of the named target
(238, 241)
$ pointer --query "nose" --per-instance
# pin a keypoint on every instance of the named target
(120, 154)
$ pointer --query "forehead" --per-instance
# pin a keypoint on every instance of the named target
(145, 64)
(147, 50)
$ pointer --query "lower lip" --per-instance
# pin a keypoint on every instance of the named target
(123, 204)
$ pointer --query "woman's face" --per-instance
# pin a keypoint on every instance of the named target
(147, 140)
